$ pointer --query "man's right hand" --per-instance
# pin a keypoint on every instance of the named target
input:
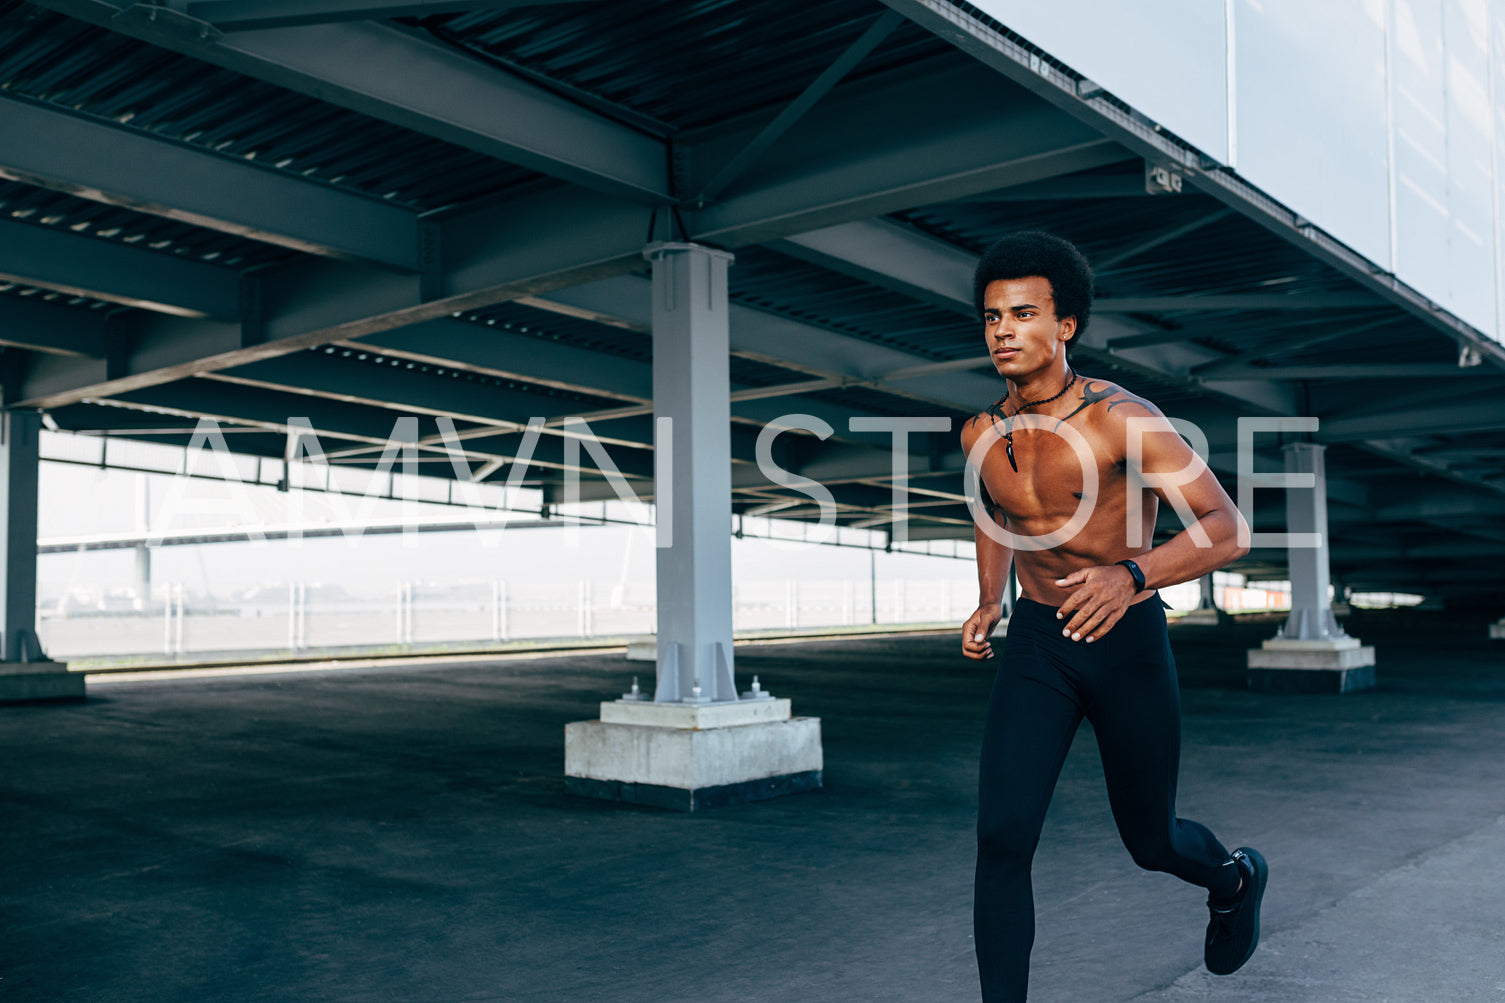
(977, 630)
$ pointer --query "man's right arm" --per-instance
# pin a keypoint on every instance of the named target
(993, 560)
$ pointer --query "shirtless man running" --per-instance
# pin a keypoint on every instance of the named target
(1087, 636)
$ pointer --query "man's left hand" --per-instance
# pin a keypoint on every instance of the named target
(1099, 596)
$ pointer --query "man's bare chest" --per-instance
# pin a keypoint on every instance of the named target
(1055, 472)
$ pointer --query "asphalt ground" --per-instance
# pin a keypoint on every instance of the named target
(401, 833)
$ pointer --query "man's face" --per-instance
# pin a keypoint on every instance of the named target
(1020, 325)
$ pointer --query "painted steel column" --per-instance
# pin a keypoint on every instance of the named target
(691, 387)
(19, 459)
(1311, 616)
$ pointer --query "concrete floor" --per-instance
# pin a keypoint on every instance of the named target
(401, 834)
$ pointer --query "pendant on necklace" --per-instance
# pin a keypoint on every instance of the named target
(1008, 449)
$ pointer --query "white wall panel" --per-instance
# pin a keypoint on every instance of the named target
(1381, 121)
(1497, 69)
(1167, 58)
(1311, 113)
(1418, 97)
(1470, 174)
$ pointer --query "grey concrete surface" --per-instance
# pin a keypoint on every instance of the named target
(402, 833)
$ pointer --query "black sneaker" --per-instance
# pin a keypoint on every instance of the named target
(1233, 931)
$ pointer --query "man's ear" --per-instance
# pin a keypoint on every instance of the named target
(1068, 329)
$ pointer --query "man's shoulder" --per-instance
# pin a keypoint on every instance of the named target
(1103, 401)
(974, 426)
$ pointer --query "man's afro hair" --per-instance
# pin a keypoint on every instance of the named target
(1034, 252)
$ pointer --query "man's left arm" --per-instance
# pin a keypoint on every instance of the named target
(1178, 477)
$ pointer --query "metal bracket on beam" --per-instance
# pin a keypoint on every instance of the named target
(1163, 179)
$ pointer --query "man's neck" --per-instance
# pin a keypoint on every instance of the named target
(1041, 383)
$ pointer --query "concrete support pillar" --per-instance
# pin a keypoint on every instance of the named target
(1311, 653)
(698, 742)
(1340, 603)
(143, 577)
(143, 596)
(26, 673)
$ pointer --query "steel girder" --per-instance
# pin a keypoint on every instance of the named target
(252, 15)
(383, 71)
(345, 422)
(53, 330)
(465, 346)
(772, 338)
(556, 239)
(126, 167)
(101, 269)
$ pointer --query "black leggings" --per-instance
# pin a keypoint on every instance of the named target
(1125, 684)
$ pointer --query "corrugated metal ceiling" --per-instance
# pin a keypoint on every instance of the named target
(685, 63)
(65, 63)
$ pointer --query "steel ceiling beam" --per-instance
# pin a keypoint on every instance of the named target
(1367, 403)
(251, 15)
(388, 73)
(1354, 371)
(53, 329)
(328, 377)
(888, 144)
(1148, 339)
(1088, 186)
(67, 262)
(557, 238)
(793, 344)
(323, 377)
(1240, 362)
(507, 354)
(468, 346)
(337, 421)
(1106, 264)
(905, 260)
(570, 237)
(892, 256)
(1200, 302)
(1436, 419)
(1447, 505)
(126, 167)
(855, 53)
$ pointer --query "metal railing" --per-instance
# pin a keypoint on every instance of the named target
(298, 617)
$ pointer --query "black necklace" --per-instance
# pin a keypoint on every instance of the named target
(996, 411)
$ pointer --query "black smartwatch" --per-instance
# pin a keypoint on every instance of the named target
(1139, 585)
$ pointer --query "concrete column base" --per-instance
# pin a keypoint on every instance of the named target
(693, 756)
(1497, 630)
(1336, 666)
(26, 681)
